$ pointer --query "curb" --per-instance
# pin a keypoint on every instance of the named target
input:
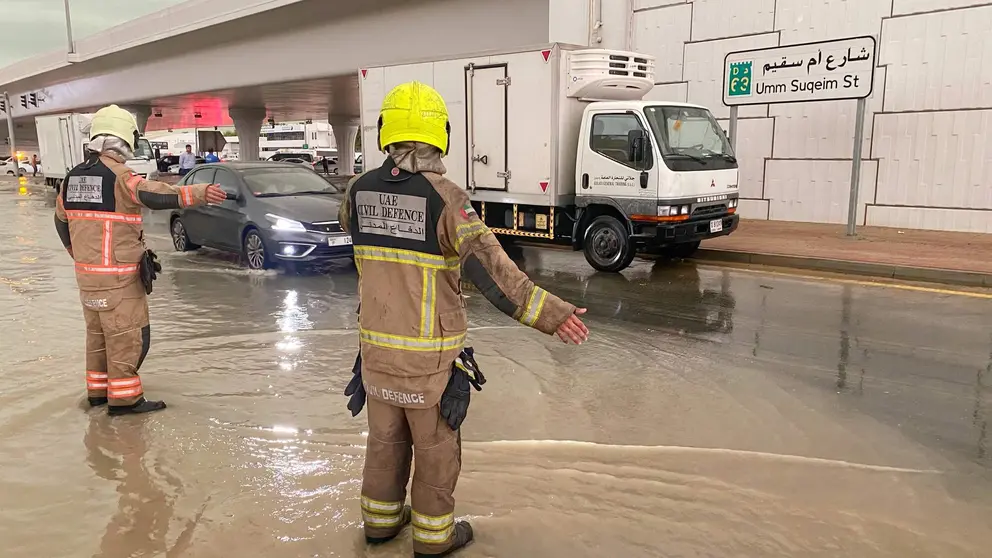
(888, 271)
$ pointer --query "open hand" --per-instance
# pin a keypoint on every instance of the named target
(215, 194)
(573, 329)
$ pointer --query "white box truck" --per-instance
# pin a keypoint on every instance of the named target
(62, 140)
(556, 144)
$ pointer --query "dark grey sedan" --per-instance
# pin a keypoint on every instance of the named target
(275, 212)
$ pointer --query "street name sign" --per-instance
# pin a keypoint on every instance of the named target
(822, 71)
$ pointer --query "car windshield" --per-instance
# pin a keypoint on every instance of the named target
(272, 182)
(143, 150)
(691, 132)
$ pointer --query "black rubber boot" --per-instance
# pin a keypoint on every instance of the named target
(142, 406)
(404, 521)
(462, 537)
(97, 401)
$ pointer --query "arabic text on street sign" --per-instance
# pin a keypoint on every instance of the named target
(825, 71)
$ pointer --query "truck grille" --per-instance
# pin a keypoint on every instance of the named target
(709, 210)
(326, 227)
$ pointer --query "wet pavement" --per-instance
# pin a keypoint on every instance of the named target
(713, 412)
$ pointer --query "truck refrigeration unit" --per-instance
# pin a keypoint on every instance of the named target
(62, 140)
(556, 144)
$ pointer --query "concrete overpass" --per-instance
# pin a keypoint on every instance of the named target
(222, 62)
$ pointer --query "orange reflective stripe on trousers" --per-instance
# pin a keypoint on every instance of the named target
(96, 381)
(122, 388)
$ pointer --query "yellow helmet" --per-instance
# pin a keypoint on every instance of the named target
(414, 112)
(117, 122)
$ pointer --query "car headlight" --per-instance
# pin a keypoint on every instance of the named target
(284, 224)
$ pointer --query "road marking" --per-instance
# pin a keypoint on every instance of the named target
(860, 282)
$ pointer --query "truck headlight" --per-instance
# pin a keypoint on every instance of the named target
(672, 210)
(733, 203)
(284, 224)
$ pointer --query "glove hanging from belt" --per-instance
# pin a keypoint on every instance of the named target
(356, 389)
(149, 269)
(464, 373)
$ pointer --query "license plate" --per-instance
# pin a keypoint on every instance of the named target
(339, 241)
(716, 225)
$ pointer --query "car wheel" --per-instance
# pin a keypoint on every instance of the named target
(608, 246)
(254, 251)
(11, 173)
(180, 239)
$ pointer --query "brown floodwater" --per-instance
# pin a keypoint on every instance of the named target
(713, 413)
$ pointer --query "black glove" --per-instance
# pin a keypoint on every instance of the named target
(356, 389)
(149, 268)
(457, 395)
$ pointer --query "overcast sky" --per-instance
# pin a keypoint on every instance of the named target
(39, 25)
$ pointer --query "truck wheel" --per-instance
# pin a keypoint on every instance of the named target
(608, 246)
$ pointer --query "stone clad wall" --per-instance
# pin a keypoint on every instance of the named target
(928, 133)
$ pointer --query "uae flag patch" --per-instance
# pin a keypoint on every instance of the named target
(467, 210)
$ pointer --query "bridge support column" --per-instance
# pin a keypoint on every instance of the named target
(141, 114)
(345, 130)
(248, 124)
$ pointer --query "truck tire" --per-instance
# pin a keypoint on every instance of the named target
(608, 246)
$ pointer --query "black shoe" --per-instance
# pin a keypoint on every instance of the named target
(97, 401)
(404, 521)
(142, 406)
(462, 537)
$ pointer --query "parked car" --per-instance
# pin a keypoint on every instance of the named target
(284, 155)
(332, 165)
(174, 168)
(24, 167)
(167, 161)
(276, 213)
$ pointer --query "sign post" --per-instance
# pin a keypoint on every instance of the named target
(859, 137)
(823, 71)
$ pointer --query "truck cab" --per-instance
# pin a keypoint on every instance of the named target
(652, 176)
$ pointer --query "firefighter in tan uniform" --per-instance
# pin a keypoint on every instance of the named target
(414, 233)
(98, 218)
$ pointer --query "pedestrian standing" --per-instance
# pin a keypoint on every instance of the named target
(187, 160)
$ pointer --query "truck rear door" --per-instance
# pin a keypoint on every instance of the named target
(486, 92)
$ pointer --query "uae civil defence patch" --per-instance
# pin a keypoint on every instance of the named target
(467, 210)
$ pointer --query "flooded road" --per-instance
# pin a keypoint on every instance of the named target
(713, 413)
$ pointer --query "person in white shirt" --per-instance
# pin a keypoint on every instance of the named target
(187, 161)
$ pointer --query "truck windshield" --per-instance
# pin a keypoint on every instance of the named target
(143, 150)
(690, 138)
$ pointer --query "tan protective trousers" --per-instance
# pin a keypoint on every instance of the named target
(396, 436)
(117, 339)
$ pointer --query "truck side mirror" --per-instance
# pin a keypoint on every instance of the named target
(635, 144)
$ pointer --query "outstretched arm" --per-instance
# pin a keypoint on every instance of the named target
(159, 195)
(498, 277)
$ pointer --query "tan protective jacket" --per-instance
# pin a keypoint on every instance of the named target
(98, 217)
(414, 232)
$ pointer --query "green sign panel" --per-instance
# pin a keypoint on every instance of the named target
(739, 79)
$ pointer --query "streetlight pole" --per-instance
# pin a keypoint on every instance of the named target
(68, 27)
(10, 132)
